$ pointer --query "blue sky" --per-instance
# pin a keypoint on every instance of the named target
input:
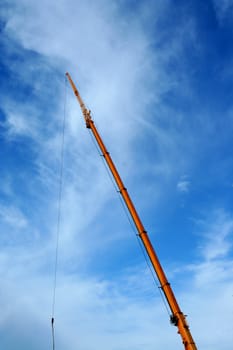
(157, 76)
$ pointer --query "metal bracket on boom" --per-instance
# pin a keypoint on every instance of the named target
(174, 320)
(87, 117)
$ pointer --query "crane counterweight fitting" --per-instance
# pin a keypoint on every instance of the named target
(177, 318)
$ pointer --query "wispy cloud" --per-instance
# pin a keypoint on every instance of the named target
(211, 282)
(217, 234)
(13, 216)
(183, 185)
(18, 125)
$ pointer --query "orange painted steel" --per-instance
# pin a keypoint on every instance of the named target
(177, 317)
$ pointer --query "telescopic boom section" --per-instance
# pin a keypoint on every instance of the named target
(177, 317)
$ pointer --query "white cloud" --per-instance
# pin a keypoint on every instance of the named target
(183, 184)
(218, 234)
(126, 311)
(108, 56)
(17, 124)
(208, 296)
(112, 311)
(13, 216)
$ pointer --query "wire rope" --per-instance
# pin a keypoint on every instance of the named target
(58, 227)
(131, 225)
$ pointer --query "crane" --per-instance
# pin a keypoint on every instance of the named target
(177, 317)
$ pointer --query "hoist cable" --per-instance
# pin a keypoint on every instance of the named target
(105, 165)
(58, 215)
(148, 263)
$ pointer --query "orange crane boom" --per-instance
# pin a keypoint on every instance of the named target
(177, 317)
